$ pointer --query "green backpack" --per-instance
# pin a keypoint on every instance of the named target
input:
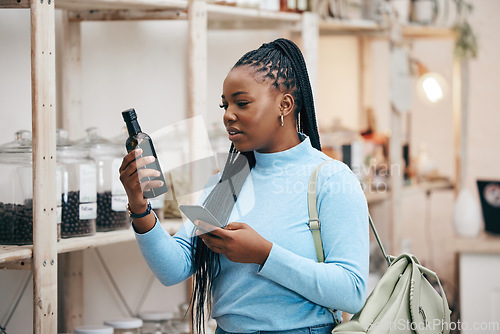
(403, 301)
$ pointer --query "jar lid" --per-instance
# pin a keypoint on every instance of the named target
(62, 139)
(97, 146)
(21, 144)
(92, 137)
(156, 316)
(124, 323)
(93, 330)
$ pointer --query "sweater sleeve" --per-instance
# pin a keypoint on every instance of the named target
(340, 282)
(169, 257)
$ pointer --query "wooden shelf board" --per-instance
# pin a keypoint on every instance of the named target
(122, 4)
(419, 31)
(17, 253)
(126, 15)
(484, 243)
(428, 186)
(15, 4)
(235, 13)
(342, 26)
(374, 197)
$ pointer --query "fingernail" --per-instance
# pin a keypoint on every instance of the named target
(157, 173)
(195, 222)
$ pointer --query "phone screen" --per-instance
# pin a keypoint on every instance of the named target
(198, 212)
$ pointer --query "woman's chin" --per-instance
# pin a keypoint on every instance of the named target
(241, 147)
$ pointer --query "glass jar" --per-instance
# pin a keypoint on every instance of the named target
(111, 197)
(125, 325)
(79, 196)
(157, 323)
(93, 330)
(16, 191)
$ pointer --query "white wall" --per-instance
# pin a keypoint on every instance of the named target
(142, 64)
(484, 112)
(338, 82)
(15, 72)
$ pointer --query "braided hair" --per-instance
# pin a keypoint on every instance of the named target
(282, 65)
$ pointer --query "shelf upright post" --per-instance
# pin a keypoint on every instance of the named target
(43, 94)
(71, 274)
(197, 54)
(460, 104)
(197, 84)
(71, 97)
(395, 154)
(365, 59)
(310, 42)
(71, 263)
(71, 271)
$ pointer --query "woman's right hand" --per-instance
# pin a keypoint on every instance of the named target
(131, 174)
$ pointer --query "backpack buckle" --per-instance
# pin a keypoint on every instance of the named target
(314, 224)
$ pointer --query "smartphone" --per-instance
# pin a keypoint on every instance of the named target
(199, 212)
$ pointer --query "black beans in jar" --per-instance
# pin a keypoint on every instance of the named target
(71, 224)
(16, 223)
(107, 218)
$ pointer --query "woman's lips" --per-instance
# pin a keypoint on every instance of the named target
(234, 133)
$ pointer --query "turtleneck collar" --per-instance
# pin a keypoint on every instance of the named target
(294, 156)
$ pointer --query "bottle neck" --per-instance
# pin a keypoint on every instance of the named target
(133, 127)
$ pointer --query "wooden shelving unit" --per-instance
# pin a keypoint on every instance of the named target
(41, 258)
(18, 256)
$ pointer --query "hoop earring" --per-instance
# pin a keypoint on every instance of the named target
(282, 120)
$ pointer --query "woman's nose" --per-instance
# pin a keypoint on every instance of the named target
(229, 116)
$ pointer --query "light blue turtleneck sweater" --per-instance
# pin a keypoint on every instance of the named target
(291, 290)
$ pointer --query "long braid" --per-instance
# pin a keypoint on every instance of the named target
(307, 115)
(281, 63)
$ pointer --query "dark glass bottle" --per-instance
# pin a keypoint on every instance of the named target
(139, 139)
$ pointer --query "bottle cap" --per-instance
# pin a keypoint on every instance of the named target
(129, 115)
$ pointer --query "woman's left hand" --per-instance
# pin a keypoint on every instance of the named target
(238, 242)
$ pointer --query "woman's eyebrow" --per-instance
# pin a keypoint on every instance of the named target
(235, 94)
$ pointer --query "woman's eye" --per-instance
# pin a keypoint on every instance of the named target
(242, 103)
(223, 106)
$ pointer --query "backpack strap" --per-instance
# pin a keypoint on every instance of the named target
(315, 225)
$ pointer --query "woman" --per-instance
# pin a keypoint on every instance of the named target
(260, 273)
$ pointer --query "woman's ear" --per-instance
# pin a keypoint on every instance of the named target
(287, 104)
